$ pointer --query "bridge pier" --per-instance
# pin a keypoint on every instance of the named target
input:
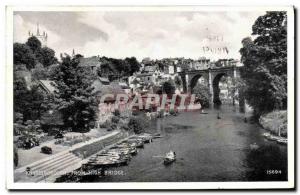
(210, 86)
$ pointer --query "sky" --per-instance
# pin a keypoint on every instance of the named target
(152, 34)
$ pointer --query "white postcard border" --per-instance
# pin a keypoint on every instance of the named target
(10, 184)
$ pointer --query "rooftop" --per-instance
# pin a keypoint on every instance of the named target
(48, 85)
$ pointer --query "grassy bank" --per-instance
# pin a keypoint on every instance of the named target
(275, 122)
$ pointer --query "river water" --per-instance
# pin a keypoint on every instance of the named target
(207, 149)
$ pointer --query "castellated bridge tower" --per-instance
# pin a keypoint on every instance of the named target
(42, 37)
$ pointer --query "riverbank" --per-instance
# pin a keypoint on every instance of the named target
(28, 156)
(51, 167)
(275, 122)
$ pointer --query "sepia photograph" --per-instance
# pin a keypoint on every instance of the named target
(150, 97)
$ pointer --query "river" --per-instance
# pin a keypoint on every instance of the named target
(207, 149)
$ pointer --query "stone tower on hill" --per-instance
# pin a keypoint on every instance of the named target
(43, 37)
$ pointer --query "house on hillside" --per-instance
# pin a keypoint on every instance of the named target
(46, 86)
(103, 87)
(125, 87)
(93, 63)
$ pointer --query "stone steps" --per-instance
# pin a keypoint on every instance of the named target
(45, 170)
(52, 161)
(56, 169)
(50, 168)
(54, 164)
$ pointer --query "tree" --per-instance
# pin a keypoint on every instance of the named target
(28, 102)
(16, 156)
(24, 55)
(137, 124)
(74, 95)
(202, 94)
(177, 81)
(34, 44)
(265, 63)
(39, 72)
(20, 92)
(31, 52)
(168, 87)
(134, 65)
(46, 56)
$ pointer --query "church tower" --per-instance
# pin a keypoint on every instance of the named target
(42, 37)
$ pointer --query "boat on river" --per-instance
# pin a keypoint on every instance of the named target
(273, 138)
(278, 139)
(157, 135)
(266, 135)
(203, 112)
(169, 158)
(138, 142)
(121, 153)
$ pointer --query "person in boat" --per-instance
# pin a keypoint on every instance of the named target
(170, 157)
(203, 112)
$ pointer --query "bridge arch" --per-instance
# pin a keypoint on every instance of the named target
(194, 81)
(213, 77)
(216, 88)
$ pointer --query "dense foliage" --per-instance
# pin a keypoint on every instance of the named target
(30, 60)
(168, 87)
(137, 124)
(202, 94)
(29, 102)
(74, 94)
(265, 63)
(32, 53)
(178, 82)
(116, 68)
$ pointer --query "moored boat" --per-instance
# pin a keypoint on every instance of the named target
(282, 141)
(266, 135)
(273, 138)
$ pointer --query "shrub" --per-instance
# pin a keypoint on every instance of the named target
(113, 126)
(202, 94)
(19, 128)
(125, 127)
(115, 119)
(137, 124)
(106, 124)
(275, 121)
(16, 156)
(168, 87)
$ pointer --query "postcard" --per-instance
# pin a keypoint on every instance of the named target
(150, 97)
